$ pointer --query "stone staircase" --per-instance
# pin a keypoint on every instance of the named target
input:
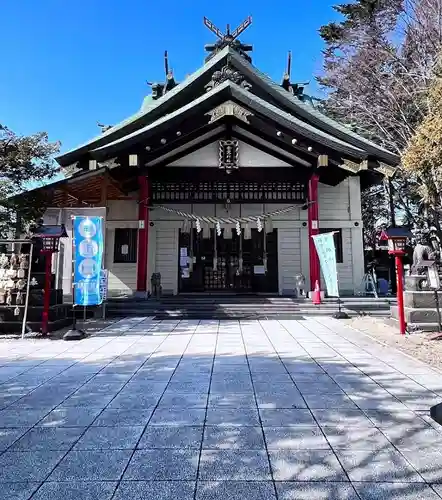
(243, 307)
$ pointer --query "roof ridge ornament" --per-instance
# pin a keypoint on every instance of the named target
(158, 89)
(297, 89)
(227, 72)
(229, 39)
(104, 128)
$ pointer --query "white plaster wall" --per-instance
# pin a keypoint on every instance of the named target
(249, 156)
(122, 276)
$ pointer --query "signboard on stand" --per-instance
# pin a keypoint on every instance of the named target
(88, 260)
(325, 247)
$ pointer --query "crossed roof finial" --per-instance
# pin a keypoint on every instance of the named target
(229, 38)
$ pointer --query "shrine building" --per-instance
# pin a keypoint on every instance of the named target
(218, 183)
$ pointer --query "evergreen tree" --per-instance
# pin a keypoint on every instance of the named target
(24, 160)
(378, 64)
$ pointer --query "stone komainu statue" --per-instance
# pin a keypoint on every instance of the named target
(421, 252)
(427, 249)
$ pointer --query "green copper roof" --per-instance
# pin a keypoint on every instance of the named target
(141, 117)
(295, 124)
(310, 113)
(143, 132)
(249, 100)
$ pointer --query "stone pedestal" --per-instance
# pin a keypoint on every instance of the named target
(420, 305)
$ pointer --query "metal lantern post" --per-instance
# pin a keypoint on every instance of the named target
(397, 238)
(50, 237)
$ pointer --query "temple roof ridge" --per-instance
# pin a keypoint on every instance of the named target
(194, 86)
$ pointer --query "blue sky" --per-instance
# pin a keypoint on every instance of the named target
(67, 65)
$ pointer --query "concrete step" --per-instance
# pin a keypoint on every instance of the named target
(238, 313)
(231, 306)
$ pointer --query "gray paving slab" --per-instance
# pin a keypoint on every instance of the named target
(295, 438)
(282, 388)
(164, 465)
(18, 490)
(110, 438)
(395, 491)
(184, 400)
(438, 489)
(21, 417)
(91, 466)
(386, 465)
(28, 465)
(315, 491)
(244, 465)
(414, 438)
(70, 417)
(233, 438)
(245, 490)
(47, 438)
(233, 400)
(428, 463)
(9, 435)
(280, 400)
(342, 417)
(231, 416)
(286, 417)
(319, 388)
(84, 490)
(155, 490)
(325, 401)
(121, 417)
(385, 419)
(185, 437)
(126, 400)
(369, 438)
(193, 387)
(306, 465)
(178, 416)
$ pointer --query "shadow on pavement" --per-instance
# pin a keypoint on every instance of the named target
(244, 410)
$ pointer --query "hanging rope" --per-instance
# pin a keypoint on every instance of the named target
(227, 220)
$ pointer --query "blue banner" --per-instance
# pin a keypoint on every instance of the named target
(88, 260)
(325, 247)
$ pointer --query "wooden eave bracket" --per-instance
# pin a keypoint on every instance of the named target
(71, 169)
(386, 170)
(352, 166)
(323, 161)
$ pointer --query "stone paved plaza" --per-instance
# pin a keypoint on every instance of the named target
(249, 410)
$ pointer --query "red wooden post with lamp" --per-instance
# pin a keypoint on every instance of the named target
(397, 238)
(50, 236)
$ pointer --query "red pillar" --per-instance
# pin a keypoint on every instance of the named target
(313, 228)
(47, 292)
(143, 233)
